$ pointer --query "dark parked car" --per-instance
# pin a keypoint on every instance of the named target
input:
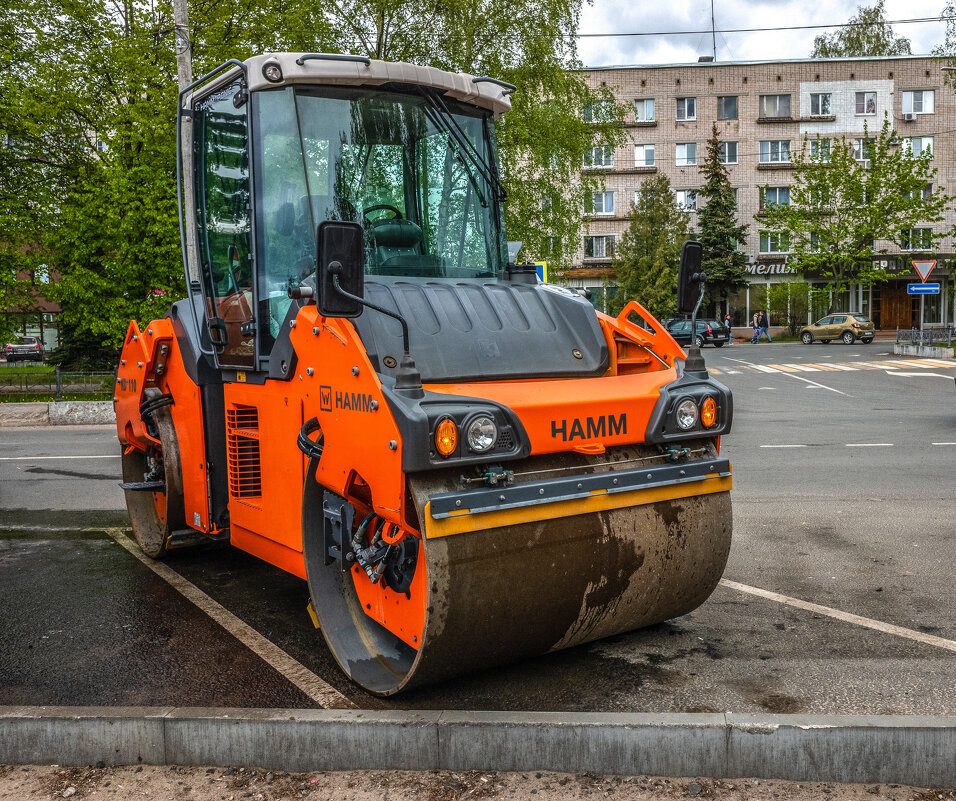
(28, 350)
(709, 332)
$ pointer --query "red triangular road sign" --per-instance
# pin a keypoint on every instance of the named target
(924, 268)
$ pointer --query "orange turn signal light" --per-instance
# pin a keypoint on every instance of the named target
(708, 412)
(446, 437)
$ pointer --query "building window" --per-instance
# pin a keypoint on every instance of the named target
(599, 157)
(774, 196)
(728, 152)
(637, 197)
(917, 145)
(820, 105)
(686, 154)
(926, 193)
(599, 247)
(775, 152)
(922, 102)
(686, 199)
(814, 241)
(687, 108)
(866, 102)
(774, 105)
(644, 155)
(602, 111)
(726, 108)
(820, 150)
(599, 203)
(644, 110)
(862, 148)
(774, 242)
(916, 239)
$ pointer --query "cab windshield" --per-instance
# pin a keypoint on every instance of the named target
(417, 171)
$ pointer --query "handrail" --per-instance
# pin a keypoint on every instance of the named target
(332, 57)
(509, 88)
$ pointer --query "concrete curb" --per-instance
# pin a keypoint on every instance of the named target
(924, 351)
(57, 413)
(886, 749)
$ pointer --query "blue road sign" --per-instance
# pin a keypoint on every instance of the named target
(922, 289)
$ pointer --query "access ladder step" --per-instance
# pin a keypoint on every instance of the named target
(144, 486)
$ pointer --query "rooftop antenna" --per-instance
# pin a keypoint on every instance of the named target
(713, 28)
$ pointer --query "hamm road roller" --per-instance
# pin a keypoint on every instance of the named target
(467, 466)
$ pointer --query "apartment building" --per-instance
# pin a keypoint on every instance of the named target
(763, 112)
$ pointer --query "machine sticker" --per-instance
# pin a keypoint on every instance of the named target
(592, 427)
(325, 399)
(127, 384)
(354, 401)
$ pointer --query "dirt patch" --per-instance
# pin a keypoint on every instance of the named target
(174, 783)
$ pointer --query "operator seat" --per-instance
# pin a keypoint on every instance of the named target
(399, 248)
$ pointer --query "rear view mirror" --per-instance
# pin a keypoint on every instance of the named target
(689, 277)
(340, 249)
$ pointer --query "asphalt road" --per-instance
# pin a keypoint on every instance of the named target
(843, 466)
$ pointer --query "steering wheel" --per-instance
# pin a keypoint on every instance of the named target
(382, 207)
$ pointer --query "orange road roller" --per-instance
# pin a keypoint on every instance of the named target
(468, 466)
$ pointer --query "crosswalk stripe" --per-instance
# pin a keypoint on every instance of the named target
(764, 369)
(887, 365)
(867, 366)
(914, 364)
(938, 363)
(715, 371)
(844, 367)
(783, 368)
(804, 368)
(816, 366)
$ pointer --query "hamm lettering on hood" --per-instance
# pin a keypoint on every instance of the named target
(606, 426)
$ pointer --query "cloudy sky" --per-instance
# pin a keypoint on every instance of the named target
(620, 16)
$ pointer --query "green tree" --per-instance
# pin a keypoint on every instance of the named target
(647, 259)
(866, 34)
(720, 234)
(851, 200)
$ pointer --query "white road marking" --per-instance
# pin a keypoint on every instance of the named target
(821, 386)
(914, 363)
(764, 369)
(869, 445)
(844, 367)
(783, 446)
(943, 443)
(846, 617)
(939, 362)
(928, 375)
(318, 690)
(802, 367)
(38, 458)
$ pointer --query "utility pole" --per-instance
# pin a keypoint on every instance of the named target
(713, 28)
(185, 71)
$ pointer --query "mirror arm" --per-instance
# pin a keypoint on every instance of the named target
(695, 361)
(407, 378)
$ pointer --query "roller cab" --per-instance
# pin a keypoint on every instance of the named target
(466, 465)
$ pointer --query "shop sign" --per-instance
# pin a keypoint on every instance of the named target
(771, 269)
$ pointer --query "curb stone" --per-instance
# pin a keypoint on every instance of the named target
(897, 749)
(57, 413)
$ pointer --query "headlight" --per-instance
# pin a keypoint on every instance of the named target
(686, 414)
(481, 434)
(708, 412)
(272, 72)
(446, 437)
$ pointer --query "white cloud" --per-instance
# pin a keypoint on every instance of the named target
(619, 16)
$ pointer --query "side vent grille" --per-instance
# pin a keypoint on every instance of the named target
(242, 452)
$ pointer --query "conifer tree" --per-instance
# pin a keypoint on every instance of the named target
(720, 233)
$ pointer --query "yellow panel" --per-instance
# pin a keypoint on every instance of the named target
(480, 521)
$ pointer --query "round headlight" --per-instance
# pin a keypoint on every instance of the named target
(686, 414)
(272, 72)
(482, 434)
(708, 412)
(446, 437)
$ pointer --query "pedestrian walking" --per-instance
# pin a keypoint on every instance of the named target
(730, 331)
(763, 326)
(756, 326)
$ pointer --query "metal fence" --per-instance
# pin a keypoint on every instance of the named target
(941, 336)
(15, 382)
